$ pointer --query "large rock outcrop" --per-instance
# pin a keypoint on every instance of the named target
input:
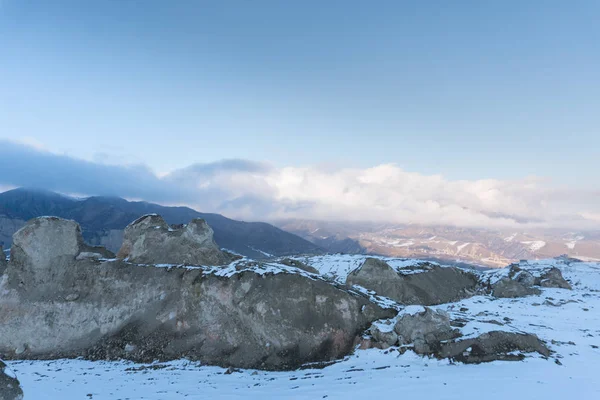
(150, 240)
(433, 285)
(10, 388)
(56, 304)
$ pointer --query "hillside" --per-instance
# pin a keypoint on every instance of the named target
(103, 219)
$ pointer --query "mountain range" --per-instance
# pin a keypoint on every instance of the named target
(103, 219)
(486, 247)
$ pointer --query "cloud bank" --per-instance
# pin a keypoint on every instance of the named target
(258, 191)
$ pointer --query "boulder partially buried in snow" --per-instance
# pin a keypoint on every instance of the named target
(150, 240)
(425, 329)
(553, 278)
(492, 346)
(244, 315)
(10, 388)
(523, 280)
(433, 285)
(509, 288)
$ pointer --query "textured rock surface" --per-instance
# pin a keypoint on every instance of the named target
(10, 388)
(434, 286)
(237, 316)
(3, 262)
(425, 330)
(553, 279)
(386, 337)
(508, 288)
(150, 240)
(491, 346)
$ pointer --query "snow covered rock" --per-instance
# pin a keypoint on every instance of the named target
(492, 346)
(435, 285)
(425, 329)
(298, 264)
(508, 288)
(522, 280)
(384, 334)
(10, 388)
(246, 315)
(553, 278)
(150, 240)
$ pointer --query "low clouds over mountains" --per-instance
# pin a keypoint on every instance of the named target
(260, 191)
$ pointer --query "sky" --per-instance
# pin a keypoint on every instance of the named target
(412, 111)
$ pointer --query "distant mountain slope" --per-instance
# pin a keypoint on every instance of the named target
(489, 247)
(102, 220)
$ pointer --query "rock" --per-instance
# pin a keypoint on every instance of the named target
(40, 250)
(384, 335)
(491, 346)
(295, 263)
(3, 263)
(525, 278)
(435, 286)
(150, 240)
(425, 329)
(508, 288)
(553, 279)
(10, 388)
(244, 316)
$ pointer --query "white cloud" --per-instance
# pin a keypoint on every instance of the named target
(388, 193)
(258, 191)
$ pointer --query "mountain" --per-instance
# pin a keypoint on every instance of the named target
(103, 219)
(486, 247)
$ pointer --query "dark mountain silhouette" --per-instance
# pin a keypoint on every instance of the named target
(102, 220)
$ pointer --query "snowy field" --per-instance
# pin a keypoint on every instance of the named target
(568, 320)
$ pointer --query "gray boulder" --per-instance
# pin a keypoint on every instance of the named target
(508, 288)
(553, 278)
(10, 388)
(492, 346)
(150, 240)
(385, 336)
(436, 285)
(244, 315)
(425, 330)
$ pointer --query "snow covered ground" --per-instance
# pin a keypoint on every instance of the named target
(568, 320)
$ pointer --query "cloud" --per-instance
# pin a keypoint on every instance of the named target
(259, 191)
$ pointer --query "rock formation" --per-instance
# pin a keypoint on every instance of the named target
(433, 285)
(425, 330)
(10, 388)
(150, 240)
(522, 282)
(57, 304)
(492, 346)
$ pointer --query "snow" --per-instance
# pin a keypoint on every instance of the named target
(510, 238)
(462, 246)
(338, 266)
(569, 321)
(264, 253)
(535, 245)
(573, 242)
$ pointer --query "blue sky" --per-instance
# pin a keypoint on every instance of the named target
(450, 91)
(468, 89)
